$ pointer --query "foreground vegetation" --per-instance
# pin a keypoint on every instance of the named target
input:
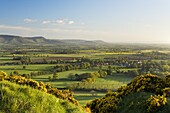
(148, 93)
(18, 99)
(62, 94)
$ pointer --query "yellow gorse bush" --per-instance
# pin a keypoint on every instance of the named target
(154, 103)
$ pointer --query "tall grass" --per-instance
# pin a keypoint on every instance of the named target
(23, 99)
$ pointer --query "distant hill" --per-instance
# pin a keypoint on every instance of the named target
(18, 40)
(11, 39)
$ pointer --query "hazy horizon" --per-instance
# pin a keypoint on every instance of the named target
(119, 21)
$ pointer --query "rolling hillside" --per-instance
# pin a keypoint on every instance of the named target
(18, 99)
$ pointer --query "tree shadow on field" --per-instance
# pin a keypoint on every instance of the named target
(119, 78)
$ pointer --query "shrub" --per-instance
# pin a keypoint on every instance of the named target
(143, 83)
(147, 83)
(155, 103)
(166, 92)
(3, 75)
(167, 79)
(107, 104)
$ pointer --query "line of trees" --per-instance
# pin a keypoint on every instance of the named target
(67, 67)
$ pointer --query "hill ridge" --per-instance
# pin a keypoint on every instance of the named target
(19, 40)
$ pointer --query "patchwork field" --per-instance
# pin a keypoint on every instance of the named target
(120, 61)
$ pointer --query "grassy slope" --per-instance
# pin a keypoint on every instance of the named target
(135, 103)
(15, 98)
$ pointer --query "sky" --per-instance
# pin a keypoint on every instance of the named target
(127, 21)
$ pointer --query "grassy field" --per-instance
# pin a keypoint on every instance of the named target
(63, 80)
(84, 97)
(110, 82)
(49, 55)
(27, 70)
(4, 59)
(95, 54)
(113, 82)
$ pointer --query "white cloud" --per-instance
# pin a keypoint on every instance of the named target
(70, 22)
(28, 20)
(46, 22)
(59, 22)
